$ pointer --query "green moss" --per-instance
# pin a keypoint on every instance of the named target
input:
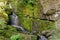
(55, 35)
(17, 37)
(2, 23)
(45, 25)
(27, 23)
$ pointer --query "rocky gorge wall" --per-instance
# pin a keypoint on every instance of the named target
(51, 4)
(36, 16)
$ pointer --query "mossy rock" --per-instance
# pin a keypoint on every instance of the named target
(23, 37)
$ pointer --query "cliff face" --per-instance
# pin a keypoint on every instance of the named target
(52, 4)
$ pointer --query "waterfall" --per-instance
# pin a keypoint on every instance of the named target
(14, 21)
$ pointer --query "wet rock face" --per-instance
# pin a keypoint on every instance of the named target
(50, 8)
(51, 15)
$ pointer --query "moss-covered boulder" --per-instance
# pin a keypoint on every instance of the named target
(23, 37)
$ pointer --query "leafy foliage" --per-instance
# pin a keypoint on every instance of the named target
(17, 37)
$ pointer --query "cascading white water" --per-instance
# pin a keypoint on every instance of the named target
(14, 22)
(14, 19)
